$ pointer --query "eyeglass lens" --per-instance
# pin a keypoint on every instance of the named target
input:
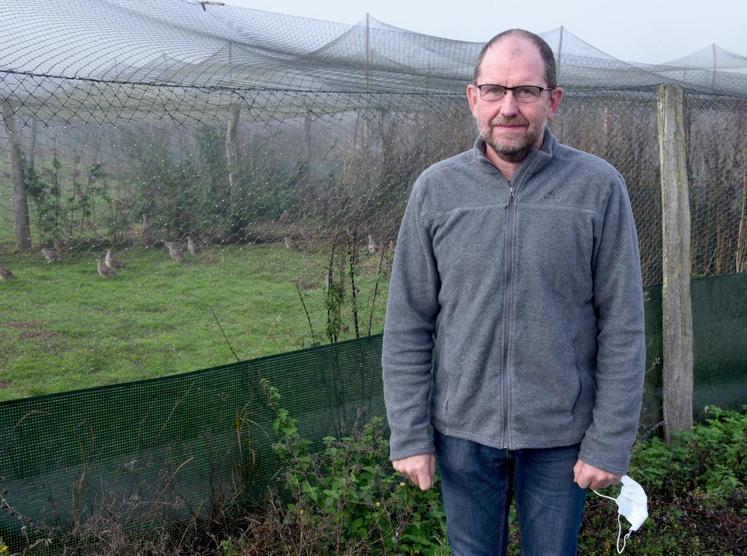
(522, 93)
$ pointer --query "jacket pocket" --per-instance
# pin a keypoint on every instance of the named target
(441, 392)
(579, 374)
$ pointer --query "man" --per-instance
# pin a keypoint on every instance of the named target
(514, 341)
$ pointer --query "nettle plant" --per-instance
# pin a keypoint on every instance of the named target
(697, 492)
(346, 498)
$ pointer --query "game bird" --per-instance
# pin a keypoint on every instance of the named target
(5, 274)
(111, 262)
(51, 255)
(104, 270)
(372, 247)
(175, 251)
(288, 242)
(191, 247)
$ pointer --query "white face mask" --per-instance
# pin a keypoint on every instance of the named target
(632, 503)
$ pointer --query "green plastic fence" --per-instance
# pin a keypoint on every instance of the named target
(174, 444)
(719, 305)
(179, 443)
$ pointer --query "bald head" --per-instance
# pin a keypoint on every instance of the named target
(544, 49)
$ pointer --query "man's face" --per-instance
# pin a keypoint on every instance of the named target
(512, 129)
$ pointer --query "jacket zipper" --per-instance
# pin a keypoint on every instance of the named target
(507, 302)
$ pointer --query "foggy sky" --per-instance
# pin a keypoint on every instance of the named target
(647, 31)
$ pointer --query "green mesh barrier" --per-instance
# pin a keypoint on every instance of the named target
(173, 445)
(182, 442)
(719, 306)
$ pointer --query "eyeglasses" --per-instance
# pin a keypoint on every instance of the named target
(524, 94)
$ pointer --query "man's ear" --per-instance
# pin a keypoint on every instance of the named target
(472, 94)
(556, 95)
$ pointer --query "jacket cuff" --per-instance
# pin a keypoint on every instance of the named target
(612, 460)
(404, 449)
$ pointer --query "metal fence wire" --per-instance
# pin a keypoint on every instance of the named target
(151, 121)
(139, 126)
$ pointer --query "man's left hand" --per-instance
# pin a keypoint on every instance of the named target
(588, 476)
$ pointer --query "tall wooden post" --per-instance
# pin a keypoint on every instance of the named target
(715, 69)
(676, 303)
(307, 139)
(741, 259)
(232, 155)
(32, 150)
(19, 201)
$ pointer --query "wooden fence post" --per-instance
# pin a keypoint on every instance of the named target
(19, 200)
(676, 303)
(740, 264)
(232, 155)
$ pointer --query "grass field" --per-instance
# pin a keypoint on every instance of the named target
(63, 327)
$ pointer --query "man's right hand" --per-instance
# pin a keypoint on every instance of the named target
(419, 469)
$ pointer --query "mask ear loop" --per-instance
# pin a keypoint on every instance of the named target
(604, 496)
(625, 538)
(619, 525)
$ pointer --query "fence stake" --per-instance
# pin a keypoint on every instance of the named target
(676, 303)
(232, 155)
(741, 265)
(19, 201)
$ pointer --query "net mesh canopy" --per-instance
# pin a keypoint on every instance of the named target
(137, 125)
(83, 53)
(251, 169)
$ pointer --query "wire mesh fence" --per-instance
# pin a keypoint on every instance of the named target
(165, 129)
(98, 464)
(141, 456)
(250, 170)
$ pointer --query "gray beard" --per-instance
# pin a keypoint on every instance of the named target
(513, 151)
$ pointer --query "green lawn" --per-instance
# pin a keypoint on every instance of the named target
(63, 327)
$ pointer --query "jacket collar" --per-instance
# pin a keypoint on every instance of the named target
(534, 161)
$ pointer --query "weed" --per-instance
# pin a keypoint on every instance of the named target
(696, 493)
(345, 498)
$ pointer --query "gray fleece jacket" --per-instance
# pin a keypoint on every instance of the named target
(515, 312)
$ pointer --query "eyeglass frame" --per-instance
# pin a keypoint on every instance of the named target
(512, 89)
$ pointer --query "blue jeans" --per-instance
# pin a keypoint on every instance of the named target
(478, 483)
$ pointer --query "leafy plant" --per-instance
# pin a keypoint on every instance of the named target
(696, 493)
(334, 297)
(345, 499)
(712, 457)
(47, 204)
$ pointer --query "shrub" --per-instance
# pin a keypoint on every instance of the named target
(697, 498)
(345, 499)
